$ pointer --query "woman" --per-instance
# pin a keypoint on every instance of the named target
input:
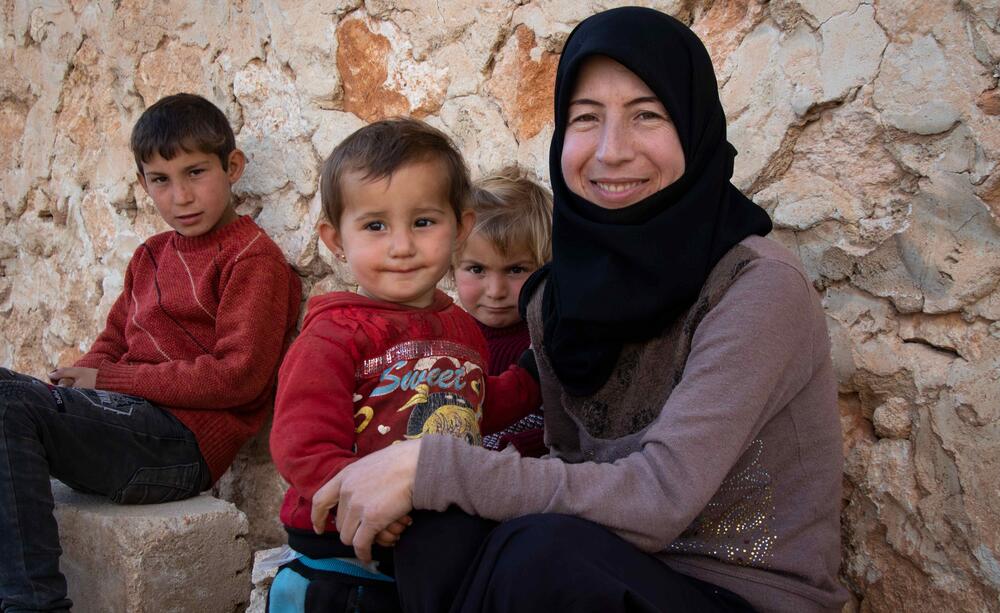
(689, 396)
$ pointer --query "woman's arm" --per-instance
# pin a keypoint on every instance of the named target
(749, 357)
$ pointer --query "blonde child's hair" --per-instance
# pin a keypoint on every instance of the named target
(513, 212)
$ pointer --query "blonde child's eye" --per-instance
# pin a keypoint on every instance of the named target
(475, 269)
(518, 270)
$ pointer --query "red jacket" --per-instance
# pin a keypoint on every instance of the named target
(365, 373)
(199, 330)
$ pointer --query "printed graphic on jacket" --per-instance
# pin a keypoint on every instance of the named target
(417, 388)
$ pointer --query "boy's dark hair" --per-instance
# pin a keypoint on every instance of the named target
(513, 212)
(182, 121)
(382, 148)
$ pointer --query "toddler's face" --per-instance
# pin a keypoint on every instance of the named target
(489, 284)
(398, 234)
(191, 191)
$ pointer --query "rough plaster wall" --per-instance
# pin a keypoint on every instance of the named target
(870, 130)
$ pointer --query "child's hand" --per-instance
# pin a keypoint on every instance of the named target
(72, 376)
(389, 536)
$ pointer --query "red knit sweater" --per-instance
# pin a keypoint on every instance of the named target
(199, 329)
(365, 373)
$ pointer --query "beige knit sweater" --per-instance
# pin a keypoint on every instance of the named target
(716, 446)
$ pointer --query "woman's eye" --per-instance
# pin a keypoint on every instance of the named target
(583, 118)
(649, 115)
(374, 226)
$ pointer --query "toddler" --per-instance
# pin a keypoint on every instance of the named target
(394, 361)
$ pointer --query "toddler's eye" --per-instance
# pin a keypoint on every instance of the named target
(158, 180)
(374, 226)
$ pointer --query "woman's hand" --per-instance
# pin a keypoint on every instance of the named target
(370, 495)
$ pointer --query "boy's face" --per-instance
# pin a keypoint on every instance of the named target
(191, 191)
(398, 233)
(489, 283)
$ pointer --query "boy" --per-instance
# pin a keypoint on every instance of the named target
(395, 362)
(509, 242)
(180, 377)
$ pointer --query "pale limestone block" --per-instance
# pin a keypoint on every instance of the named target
(431, 25)
(331, 127)
(303, 35)
(951, 248)
(890, 475)
(274, 134)
(467, 120)
(852, 49)
(801, 201)
(822, 10)
(190, 555)
(265, 567)
(909, 73)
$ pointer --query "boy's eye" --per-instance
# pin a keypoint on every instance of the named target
(197, 171)
(423, 222)
(374, 226)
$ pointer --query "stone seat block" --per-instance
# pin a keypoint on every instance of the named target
(190, 555)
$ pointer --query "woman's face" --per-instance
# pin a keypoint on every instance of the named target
(620, 145)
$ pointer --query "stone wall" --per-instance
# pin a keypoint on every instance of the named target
(870, 130)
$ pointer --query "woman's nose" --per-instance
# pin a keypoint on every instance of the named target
(615, 144)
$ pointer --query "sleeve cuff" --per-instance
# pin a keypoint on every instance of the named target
(115, 377)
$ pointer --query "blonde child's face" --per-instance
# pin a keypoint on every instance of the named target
(191, 191)
(489, 283)
(399, 233)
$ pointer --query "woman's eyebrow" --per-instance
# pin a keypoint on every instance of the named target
(641, 100)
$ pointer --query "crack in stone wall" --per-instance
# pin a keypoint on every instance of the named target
(869, 130)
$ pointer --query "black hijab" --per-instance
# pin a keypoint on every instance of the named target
(623, 275)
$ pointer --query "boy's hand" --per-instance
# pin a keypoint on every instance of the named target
(389, 536)
(72, 376)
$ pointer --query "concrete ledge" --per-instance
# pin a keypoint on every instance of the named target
(182, 556)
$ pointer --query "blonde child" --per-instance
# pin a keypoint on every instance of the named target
(395, 361)
(511, 240)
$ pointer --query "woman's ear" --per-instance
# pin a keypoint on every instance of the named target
(331, 238)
